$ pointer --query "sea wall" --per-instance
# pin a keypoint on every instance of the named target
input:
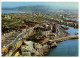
(66, 38)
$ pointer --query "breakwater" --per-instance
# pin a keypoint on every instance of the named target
(66, 38)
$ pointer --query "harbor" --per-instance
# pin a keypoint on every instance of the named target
(42, 46)
(39, 31)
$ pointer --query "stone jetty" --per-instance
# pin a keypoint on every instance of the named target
(66, 38)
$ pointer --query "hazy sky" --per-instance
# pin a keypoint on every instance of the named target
(59, 4)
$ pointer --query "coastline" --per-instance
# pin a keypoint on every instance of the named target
(41, 49)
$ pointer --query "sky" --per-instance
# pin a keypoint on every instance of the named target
(73, 5)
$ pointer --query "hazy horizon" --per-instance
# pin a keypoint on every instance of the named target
(61, 5)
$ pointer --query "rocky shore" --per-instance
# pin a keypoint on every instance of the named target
(37, 49)
(40, 49)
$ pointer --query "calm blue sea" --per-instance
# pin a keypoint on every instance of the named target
(10, 11)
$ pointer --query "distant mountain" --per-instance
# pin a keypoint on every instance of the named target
(36, 7)
(40, 8)
(29, 8)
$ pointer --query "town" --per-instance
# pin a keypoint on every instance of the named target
(33, 34)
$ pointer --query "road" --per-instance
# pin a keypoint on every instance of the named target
(20, 35)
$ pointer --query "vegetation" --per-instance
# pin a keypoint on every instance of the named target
(31, 15)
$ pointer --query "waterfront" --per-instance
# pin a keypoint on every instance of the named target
(73, 19)
(66, 48)
(38, 30)
(62, 46)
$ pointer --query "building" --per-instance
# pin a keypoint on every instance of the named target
(46, 32)
(27, 48)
